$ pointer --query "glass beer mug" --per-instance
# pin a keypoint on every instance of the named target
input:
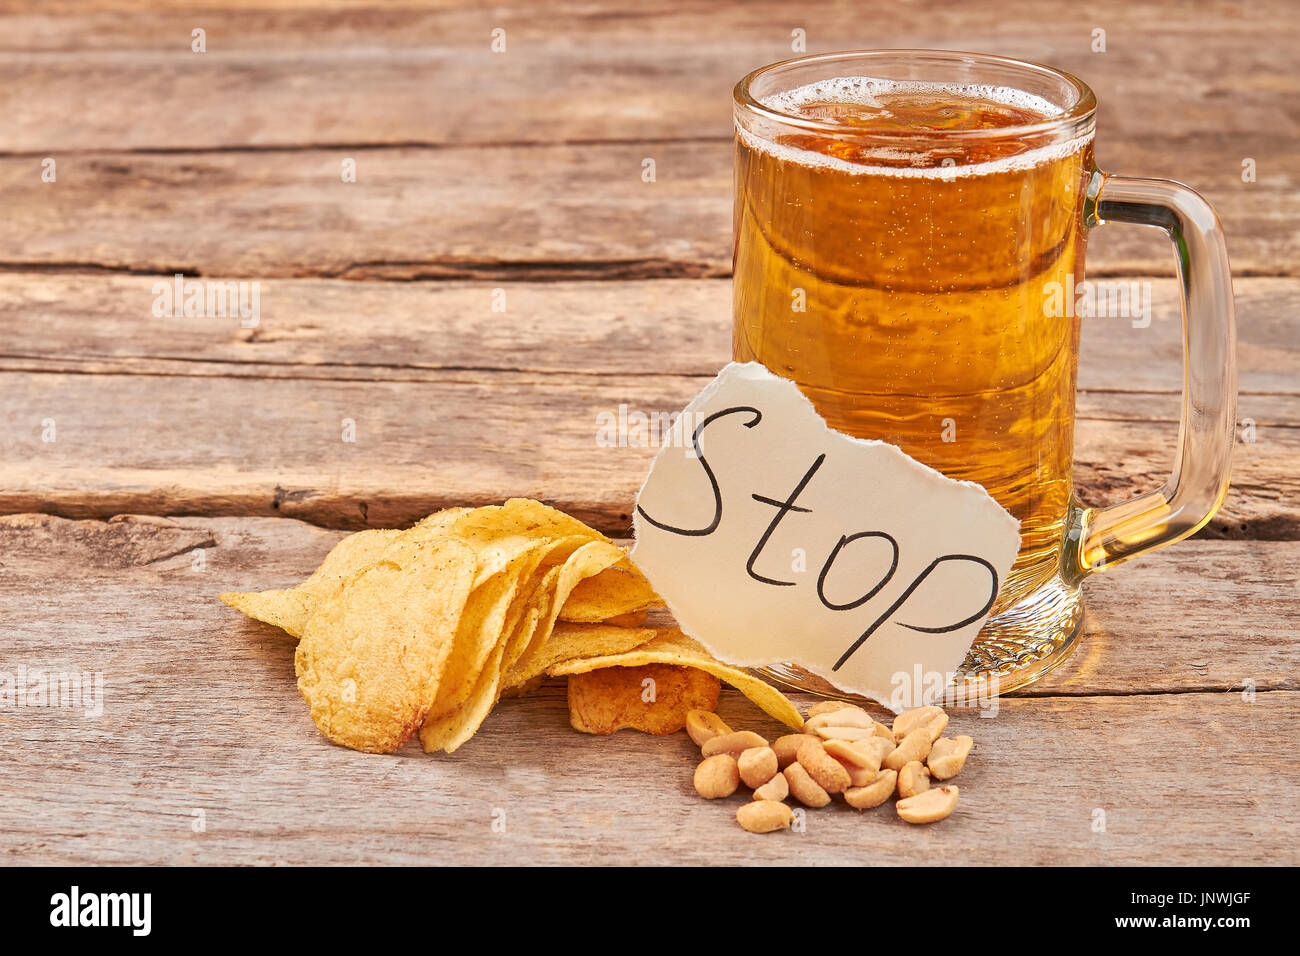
(906, 223)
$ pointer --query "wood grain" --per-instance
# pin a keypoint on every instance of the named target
(196, 445)
(542, 177)
(536, 212)
(414, 331)
(361, 73)
(200, 712)
(456, 403)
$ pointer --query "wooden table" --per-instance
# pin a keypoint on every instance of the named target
(192, 456)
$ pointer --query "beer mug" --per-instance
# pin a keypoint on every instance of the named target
(907, 226)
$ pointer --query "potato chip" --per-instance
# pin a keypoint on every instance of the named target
(574, 641)
(372, 653)
(382, 645)
(491, 614)
(527, 517)
(448, 728)
(524, 689)
(674, 647)
(652, 698)
(496, 532)
(619, 590)
(289, 609)
(630, 619)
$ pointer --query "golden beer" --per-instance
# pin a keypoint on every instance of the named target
(900, 282)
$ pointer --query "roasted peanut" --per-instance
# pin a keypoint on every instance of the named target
(948, 756)
(882, 747)
(702, 726)
(844, 717)
(853, 754)
(885, 732)
(932, 718)
(929, 806)
(861, 776)
(825, 707)
(804, 788)
(873, 793)
(913, 779)
(764, 816)
(837, 732)
(757, 766)
(915, 746)
(734, 743)
(787, 748)
(717, 776)
(822, 767)
(775, 789)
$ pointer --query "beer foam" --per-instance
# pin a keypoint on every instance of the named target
(864, 89)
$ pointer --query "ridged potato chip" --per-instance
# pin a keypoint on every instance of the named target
(674, 647)
(395, 635)
(289, 609)
(448, 728)
(372, 654)
(652, 698)
(619, 590)
(575, 641)
(495, 531)
(493, 613)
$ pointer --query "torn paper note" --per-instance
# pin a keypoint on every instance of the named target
(774, 538)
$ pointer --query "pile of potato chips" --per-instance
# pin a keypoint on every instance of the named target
(426, 629)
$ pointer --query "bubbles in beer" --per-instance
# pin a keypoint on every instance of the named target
(870, 114)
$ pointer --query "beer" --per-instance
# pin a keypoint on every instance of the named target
(899, 281)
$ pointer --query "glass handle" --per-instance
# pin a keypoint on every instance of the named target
(1202, 464)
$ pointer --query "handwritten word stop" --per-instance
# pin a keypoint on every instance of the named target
(774, 538)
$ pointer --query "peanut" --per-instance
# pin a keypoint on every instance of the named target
(932, 718)
(948, 756)
(775, 789)
(861, 776)
(837, 732)
(764, 816)
(844, 717)
(757, 766)
(853, 754)
(880, 746)
(787, 748)
(929, 806)
(825, 707)
(913, 779)
(822, 767)
(804, 788)
(915, 746)
(873, 793)
(702, 726)
(885, 732)
(717, 776)
(734, 743)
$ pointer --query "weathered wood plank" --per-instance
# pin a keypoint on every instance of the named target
(558, 348)
(510, 212)
(205, 445)
(431, 330)
(200, 713)
(664, 73)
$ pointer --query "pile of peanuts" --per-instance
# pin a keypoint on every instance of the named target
(842, 749)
